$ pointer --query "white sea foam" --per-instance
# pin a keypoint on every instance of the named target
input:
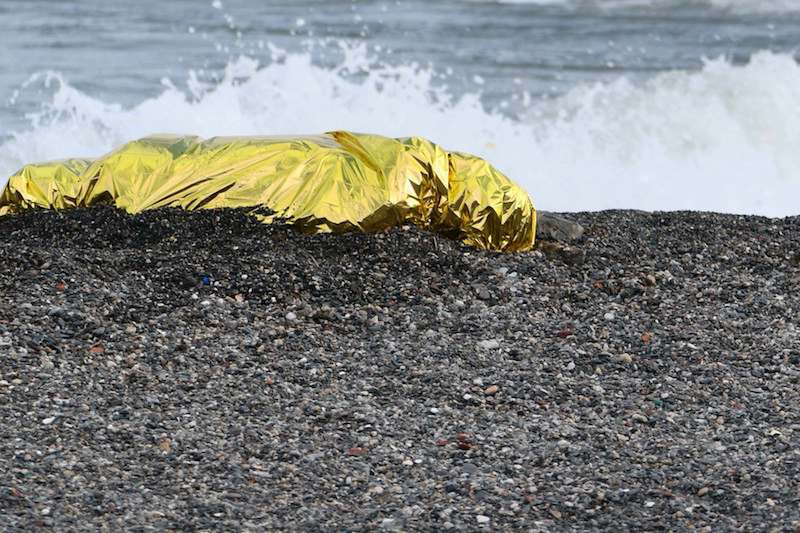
(724, 138)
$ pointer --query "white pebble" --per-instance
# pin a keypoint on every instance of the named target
(622, 358)
(489, 344)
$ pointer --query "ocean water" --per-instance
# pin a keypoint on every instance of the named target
(589, 104)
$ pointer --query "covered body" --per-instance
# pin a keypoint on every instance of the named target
(334, 182)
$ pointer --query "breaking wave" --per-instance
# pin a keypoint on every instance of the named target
(724, 138)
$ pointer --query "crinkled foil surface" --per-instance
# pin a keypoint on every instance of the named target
(334, 182)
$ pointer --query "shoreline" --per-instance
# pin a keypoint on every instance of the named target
(199, 369)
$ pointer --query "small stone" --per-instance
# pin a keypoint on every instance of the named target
(434, 410)
(290, 316)
(489, 344)
(703, 491)
(482, 292)
(483, 519)
(49, 420)
(569, 255)
(624, 358)
(609, 316)
(718, 447)
(356, 452)
(491, 390)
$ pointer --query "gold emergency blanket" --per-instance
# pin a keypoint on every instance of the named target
(335, 182)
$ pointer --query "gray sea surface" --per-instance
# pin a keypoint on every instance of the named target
(120, 51)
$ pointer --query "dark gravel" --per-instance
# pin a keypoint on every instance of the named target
(187, 371)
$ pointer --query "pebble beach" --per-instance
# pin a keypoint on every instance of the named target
(202, 371)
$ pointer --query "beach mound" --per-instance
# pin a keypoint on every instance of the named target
(200, 370)
(332, 183)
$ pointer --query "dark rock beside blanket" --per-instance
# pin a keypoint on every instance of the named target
(556, 228)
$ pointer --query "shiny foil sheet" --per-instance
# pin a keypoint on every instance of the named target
(335, 182)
